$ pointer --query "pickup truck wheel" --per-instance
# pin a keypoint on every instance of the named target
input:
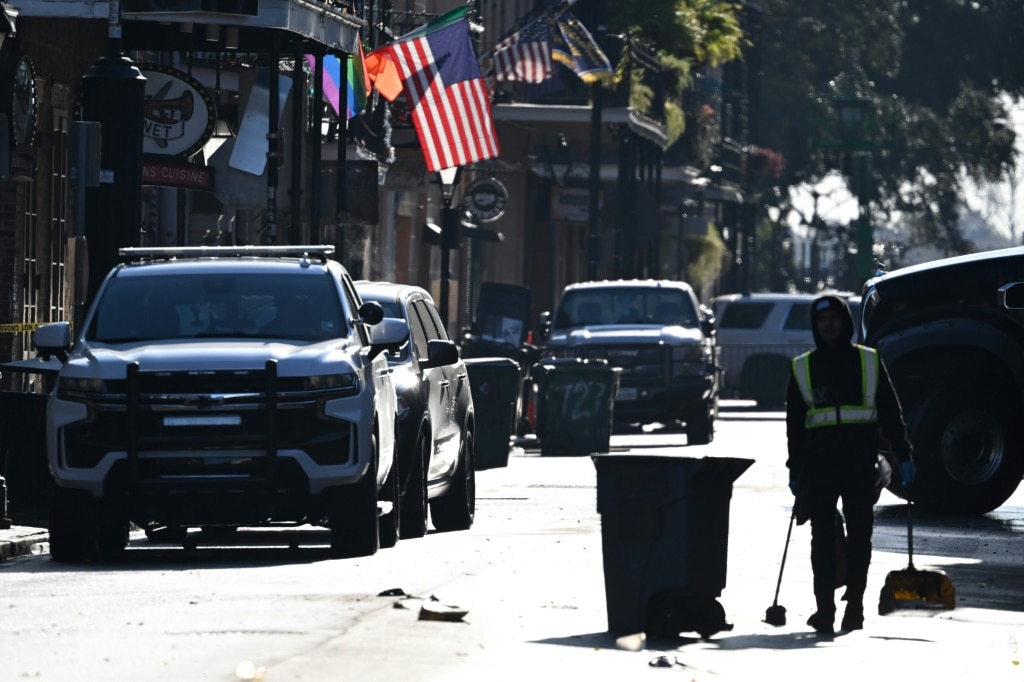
(73, 536)
(414, 502)
(456, 509)
(967, 447)
(352, 515)
(700, 426)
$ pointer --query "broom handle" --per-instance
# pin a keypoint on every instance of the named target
(910, 533)
(785, 550)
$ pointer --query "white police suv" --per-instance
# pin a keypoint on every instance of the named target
(223, 387)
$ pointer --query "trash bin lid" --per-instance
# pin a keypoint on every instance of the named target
(662, 478)
(499, 362)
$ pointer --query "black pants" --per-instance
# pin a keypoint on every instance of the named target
(857, 491)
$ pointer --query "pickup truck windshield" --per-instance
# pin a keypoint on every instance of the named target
(625, 305)
(233, 305)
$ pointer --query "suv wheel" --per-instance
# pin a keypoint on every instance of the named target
(388, 523)
(456, 509)
(111, 530)
(72, 526)
(414, 502)
(352, 514)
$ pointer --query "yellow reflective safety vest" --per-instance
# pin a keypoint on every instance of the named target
(833, 415)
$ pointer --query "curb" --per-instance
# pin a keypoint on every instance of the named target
(19, 541)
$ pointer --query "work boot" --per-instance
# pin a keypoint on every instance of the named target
(823, 622)
(853, 618)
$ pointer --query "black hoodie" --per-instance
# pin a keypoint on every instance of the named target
(836, 380)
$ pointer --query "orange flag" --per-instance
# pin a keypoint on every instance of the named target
(383, 73)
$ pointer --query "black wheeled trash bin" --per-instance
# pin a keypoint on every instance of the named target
(495, 384)
(575, 402)
(665, 539)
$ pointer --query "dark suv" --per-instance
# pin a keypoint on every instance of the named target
(435, 414)
(660, 336)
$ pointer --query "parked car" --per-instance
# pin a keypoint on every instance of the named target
(660, 336)
(219, 387)
(759, 335)
(435, 414)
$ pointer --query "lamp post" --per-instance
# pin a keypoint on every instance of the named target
(449, 234)
(853, 109)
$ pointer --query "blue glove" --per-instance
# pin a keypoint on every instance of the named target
(908, 472)
(794, 485)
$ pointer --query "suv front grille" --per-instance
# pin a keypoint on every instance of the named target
(640, 366)
(249, 411)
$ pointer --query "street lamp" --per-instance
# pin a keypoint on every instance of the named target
(449, 234)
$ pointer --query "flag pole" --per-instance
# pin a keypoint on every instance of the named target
(593, 219)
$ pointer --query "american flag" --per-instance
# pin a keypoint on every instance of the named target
(446, 93)
(526, 54)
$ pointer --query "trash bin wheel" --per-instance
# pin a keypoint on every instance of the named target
(711, 619)
(673, 611)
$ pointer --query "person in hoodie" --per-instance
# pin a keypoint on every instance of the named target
(839, 402)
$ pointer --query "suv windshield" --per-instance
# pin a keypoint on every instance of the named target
(625, 305)
(225, 305)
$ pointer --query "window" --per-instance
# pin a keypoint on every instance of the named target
(799, 317)
(745, 315)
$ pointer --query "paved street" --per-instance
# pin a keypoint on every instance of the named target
(529, 578)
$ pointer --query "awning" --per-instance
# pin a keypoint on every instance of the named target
(146, 24)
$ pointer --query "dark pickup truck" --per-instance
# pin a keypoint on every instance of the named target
(951, 333)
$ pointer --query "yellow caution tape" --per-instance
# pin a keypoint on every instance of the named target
(18, 327)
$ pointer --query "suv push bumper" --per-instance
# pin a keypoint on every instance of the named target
(663, 402)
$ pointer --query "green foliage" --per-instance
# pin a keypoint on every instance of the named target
(675, 122)
(707, 256)
(706, 31)
(682, 34)
(936, 71)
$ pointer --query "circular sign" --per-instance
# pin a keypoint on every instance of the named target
(179, 114)
(23, 120)
(486, 199)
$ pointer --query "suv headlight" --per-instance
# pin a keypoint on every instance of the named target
(80, 388)
(690, 360)
(328, 382)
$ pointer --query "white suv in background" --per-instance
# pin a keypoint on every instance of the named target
(219, 387)
(759, 334)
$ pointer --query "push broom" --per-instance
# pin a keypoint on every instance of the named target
(776, 614)
(915, 588)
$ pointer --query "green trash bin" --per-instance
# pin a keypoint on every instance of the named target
(574, 400)
(665, 540)
(495, 384)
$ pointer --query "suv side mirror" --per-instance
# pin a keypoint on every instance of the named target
(371, 312)
(53, 340)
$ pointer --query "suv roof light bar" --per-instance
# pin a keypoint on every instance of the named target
(133, 253)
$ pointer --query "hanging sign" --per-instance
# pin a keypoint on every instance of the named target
(486, 199)
(179, 115)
